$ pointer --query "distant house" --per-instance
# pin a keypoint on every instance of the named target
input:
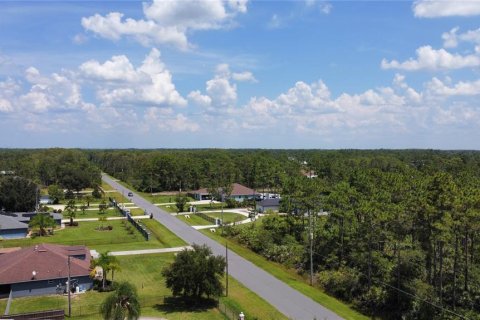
(46, 200)
(14, 225)
(268, 204)
(309, 174)
(239, 193)
(38, 270)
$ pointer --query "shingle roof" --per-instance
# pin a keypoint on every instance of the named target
(49, 261)
(237, 190)
(8, 223)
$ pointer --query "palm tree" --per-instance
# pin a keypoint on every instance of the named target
(122, 304)
(114, 265)
(42, 221)
(70, 210)
(106, 261)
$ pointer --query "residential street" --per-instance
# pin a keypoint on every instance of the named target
(287, 300)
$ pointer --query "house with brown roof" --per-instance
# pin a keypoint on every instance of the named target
(43, 268)
(239, 193)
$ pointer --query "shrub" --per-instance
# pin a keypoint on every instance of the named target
(342, 283)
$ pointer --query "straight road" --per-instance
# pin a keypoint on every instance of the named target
(285, 299)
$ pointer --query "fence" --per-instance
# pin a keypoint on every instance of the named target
(210, 219)
(138, 225)
(40, 315)
(227, 311)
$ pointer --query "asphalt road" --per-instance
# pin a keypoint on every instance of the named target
(285, 299)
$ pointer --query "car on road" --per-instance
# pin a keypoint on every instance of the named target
(130, 194)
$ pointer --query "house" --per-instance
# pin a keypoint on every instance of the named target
(14, 225)
(45, 200)
(268, 204)
(11, 228)
(43, 268)
(239, 193)
(311, 174)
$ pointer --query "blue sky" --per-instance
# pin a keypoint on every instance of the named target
(240, 74)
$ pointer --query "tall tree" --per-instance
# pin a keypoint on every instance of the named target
(42, 221)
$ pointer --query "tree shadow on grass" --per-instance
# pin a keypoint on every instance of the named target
(180, 304)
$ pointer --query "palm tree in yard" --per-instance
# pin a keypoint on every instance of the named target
(70, 211)
(122, 304)
(42, 221)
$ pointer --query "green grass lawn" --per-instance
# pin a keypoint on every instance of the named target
(118, 239)
(194, 220)
(290, 277)
(110, 212)
(163, 235)
(228, 217)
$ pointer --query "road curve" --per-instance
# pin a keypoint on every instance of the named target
(285, 299)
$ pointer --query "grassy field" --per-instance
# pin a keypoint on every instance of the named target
(290, 277)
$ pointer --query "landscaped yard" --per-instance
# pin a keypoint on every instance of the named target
(194, 220)
(118, 239)
(145, 273)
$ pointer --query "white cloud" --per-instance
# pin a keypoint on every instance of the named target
(220, 91)
(118, 82)
(80, 38)
(445, 8)
(462, 88)
(452, 38)
(244, 76)
(167, 22)
(432, 59)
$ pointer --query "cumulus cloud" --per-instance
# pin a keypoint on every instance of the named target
(433, 59)
(445, 8)
(167, 22)
(452, 38)
(461, 88)
(120, 83)
(220, 91)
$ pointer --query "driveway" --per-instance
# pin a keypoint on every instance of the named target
(285, 299)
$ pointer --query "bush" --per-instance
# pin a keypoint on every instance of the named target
(342, 283)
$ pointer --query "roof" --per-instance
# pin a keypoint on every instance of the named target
(10, 223)
(269, 202)
(49, 261)
(237, 190)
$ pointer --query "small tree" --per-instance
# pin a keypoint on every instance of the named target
(180, 202)
(195, 273)
(42, 221)
(122, 304)
(56, 193)
(102, 207)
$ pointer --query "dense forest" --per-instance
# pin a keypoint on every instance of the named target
(23, 173)
(398, 237)
(393, 233)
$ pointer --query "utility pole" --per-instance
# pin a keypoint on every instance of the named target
(222, 197)
(226, 279)
(311, 246)
(69, 291)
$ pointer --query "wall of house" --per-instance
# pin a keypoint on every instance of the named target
(44, 287)
(13, 233)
